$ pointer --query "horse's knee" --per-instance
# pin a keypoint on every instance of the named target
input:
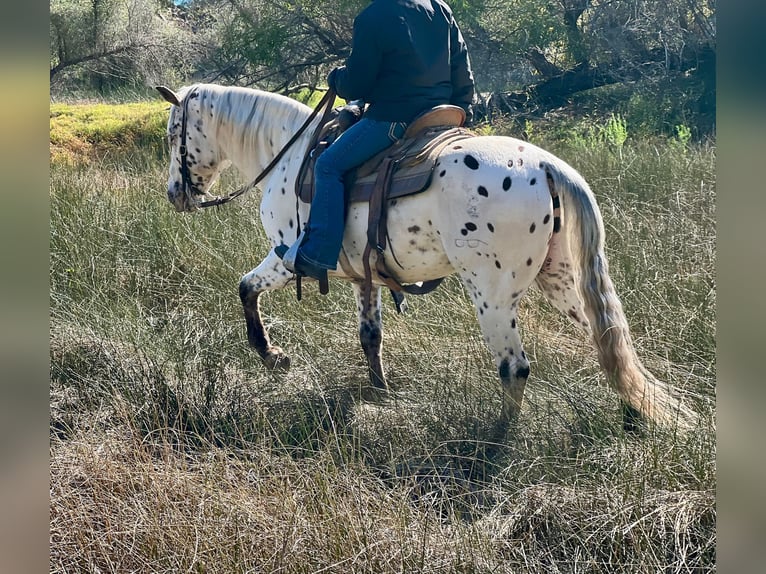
(245, 290)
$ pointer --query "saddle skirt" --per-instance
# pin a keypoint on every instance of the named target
(414, 157)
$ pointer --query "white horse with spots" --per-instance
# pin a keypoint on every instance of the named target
(500, 212)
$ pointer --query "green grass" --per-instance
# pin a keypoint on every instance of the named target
(173, 449)
(83, 131)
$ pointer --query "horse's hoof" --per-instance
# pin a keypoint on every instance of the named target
(373, 394)
(276, 360)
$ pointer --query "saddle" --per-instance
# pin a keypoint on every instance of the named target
(405, 168)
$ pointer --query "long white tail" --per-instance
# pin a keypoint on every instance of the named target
(581, 221)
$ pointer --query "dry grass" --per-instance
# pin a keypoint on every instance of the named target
(174, 450)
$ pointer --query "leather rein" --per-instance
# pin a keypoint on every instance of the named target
(190, 188)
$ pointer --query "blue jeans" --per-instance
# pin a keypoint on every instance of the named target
(324, 230)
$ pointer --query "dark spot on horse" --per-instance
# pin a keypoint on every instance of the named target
(470, 226)
(523, 355)
(532, 228)
(529, 261)
(513, 323)
(414, 229)
(483, 191)
(521, 162)
(442, 172)
(546, 219)
(507, 183)
(471, 162)
(283, 191)
(491, 227)
(485, 305)
(497, 264)
(504, 369)
(281, 235)
(455, 161)
(481, 311)
(522, 372)
(290, 223)
(463, 232)
(457, 147)
(533, 181)
(429, 222)
(197, 150)
(574, 315)
(510, 163)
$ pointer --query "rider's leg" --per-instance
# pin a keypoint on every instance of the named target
(324, 230)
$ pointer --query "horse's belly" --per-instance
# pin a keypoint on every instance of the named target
(414, 250)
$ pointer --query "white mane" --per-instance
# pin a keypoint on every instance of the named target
(251, 125)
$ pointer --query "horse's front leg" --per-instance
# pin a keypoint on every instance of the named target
(268, 276)
(371, 332)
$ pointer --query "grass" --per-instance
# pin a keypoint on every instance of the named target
(81, 132)
(173, 449)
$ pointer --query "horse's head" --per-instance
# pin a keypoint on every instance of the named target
(194, 162)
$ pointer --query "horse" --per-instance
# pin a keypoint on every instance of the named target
(500, 212)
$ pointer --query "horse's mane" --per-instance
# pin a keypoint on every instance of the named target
(250, 114)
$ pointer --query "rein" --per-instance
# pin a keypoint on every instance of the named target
(325, 103)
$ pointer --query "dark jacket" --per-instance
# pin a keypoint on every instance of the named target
(406, 56)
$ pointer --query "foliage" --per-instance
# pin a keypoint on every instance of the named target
(665, 48)
(83, 132)
(108, 44)
(173, 449)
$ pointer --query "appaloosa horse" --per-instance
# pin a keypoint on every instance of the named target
(499, 211)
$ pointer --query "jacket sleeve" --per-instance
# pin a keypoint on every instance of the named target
(357, 78)
(462, 77)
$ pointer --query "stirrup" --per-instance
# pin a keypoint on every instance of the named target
(288, 260)
(282, 251)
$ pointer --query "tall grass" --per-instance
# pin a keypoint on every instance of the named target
(173, 449)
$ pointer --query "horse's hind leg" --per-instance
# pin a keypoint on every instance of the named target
(371, 332)
(497, 313)
(268, 276)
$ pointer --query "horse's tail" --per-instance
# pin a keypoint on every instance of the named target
(580, 219)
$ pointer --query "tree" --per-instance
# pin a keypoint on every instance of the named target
(574, 45)
(102, 42)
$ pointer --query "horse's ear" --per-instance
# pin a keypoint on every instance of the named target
(169, 95)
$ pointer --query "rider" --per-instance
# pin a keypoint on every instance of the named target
(407, 56)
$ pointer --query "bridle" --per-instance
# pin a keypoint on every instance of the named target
(190, 188)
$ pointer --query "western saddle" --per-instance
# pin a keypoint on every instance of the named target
(405, 168)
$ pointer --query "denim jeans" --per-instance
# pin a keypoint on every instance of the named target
(324, 230)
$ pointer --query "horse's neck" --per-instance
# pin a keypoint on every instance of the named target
(257, 127)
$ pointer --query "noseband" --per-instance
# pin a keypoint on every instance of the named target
(191, 189)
